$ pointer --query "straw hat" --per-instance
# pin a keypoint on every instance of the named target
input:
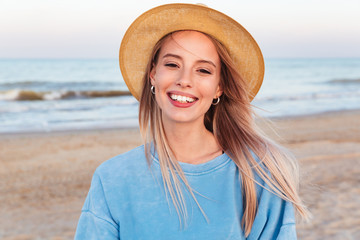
(152, 25)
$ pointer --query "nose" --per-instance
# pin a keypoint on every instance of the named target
(184, 79)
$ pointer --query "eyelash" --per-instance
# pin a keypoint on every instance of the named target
(204, 71)
(173, 65)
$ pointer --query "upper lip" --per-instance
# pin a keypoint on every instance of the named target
(182, 94)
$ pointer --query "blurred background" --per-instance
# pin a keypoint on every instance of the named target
(64, 54)
(64, 107)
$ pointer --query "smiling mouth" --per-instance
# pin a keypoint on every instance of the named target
(182, 99)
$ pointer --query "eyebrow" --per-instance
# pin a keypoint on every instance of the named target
(178, 57)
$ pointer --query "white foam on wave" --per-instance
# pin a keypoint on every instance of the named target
(10, 95)
(23, 95)
(55, 95)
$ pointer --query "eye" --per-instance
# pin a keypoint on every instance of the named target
(171, 65)
(202, 70)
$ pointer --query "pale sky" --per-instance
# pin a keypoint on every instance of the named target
(94, 28)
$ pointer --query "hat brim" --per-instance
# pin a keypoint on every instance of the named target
(151, 26)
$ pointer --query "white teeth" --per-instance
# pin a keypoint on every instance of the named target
(182, 99)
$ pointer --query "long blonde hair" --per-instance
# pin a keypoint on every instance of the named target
(232, 123)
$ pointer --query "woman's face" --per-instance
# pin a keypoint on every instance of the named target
(186, 77)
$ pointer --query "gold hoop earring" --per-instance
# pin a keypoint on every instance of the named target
(152, 89)
(217, 101)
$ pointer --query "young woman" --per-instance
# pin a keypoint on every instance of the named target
(204, 171)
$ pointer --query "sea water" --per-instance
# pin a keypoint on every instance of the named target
(67, 94)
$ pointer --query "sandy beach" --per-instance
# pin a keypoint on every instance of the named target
(45, 176)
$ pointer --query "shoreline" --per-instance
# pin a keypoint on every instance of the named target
(46, 176)
(124, 128)
(64, 132)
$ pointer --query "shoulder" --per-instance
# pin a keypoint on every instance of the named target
(270, 204)
(125, 163)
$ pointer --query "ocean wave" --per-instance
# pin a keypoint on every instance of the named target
(29, 95)
(36, 85)
(346, 81)
(313, 96)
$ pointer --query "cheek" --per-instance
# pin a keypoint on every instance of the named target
(210, 88)
(163, 77)
(163, 81)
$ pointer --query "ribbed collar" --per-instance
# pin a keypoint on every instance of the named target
(202, 168)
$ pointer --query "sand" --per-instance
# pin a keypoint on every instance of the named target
(45, 177)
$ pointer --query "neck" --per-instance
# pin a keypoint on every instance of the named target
(191, 142)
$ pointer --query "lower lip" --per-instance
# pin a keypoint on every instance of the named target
(181, 105)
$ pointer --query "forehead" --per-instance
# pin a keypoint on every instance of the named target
(192, 43)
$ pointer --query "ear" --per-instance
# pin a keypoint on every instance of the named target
(152, 75)
(218, 92)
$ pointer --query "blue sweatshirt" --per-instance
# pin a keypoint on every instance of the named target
(127, 200)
